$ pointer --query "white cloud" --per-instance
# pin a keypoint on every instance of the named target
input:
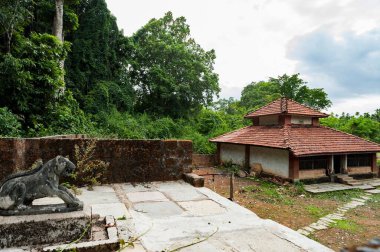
(250, 37)
(361, 104)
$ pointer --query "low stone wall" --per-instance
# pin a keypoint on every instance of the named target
(358, 170)
(204, 160)
(308, 174)
(130, 160)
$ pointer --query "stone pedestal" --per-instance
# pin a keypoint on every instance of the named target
(17, 231)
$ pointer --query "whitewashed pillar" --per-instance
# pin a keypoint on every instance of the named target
(344, 164)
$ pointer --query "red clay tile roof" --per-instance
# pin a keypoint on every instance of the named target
(285, 106)
(300, 140)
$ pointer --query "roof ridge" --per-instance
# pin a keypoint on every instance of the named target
(230, 132)
(263, 106)
(286, 132)
(307, 106)
(322, 126)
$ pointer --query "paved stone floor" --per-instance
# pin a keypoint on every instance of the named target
(331, 187)
(164, 216)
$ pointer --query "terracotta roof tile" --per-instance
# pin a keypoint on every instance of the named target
(301, 140)
(285, 106)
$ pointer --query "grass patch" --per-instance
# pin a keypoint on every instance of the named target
(315, 211)
(347, 225)
(374, 202)
(342, 196)
(269, 192)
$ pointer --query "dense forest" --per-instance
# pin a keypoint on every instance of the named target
(65, 67)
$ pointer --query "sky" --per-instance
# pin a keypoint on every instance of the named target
(333, 44)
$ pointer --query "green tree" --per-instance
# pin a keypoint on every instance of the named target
(14, 14)
(295, 88)
(97, 57)
(172, 74)
(9, 124)
(31, 77)
(258, 94)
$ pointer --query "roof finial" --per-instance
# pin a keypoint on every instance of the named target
(284, 105)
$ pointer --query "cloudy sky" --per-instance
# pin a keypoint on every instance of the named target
(333, 44)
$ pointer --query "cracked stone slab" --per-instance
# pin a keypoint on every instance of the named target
(135, 197)
(117, 210)
(159, 209)
(202, 207)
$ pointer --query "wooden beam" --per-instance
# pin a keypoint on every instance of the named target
(247, 157)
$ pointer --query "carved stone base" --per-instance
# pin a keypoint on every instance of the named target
(41, 209)
(29, 230)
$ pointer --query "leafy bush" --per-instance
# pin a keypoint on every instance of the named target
(89, 172)
(9, 124)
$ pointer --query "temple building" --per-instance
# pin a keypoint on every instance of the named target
(286, 140)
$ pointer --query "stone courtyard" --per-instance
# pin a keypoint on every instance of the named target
(165, 216)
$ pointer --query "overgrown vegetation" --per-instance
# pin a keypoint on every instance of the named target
(346, 225)
(89, 172)
(157, 83)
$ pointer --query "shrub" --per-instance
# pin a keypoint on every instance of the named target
(89, 172)
(9, 124)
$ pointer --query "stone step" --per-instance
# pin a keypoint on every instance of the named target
(355, 183)
(342, 176)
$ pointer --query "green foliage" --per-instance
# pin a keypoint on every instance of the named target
(31, 76)
(347, 225)
(343, 196)
(172, 74)
(259, 94)
(364, 126)
(14, 14)
(9, 124)
(96, 64)
(230, 167)
(316, 211)
(89, 171)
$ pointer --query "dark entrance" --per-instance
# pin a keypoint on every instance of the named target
(337, 160)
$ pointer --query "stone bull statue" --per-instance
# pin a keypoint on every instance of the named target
(18, 191)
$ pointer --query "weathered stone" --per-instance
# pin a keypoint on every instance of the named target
(194, 179)
(374, 191)
(16, 231)
(18, 191)
(130, 160)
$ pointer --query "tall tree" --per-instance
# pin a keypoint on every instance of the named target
(58, 20)
(171, 73)
(293, 87)
(13, 15)
(96, 63)
(31, 76)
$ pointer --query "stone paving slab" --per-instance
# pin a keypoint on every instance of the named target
(374, 191)
(159, 209)
(135, 197)
(117, 210)
(237, 228)
(202, 207)
(183, 194)
(326, 187)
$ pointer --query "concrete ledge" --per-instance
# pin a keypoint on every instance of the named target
(194, 179)
(17, 231)
(111, 244)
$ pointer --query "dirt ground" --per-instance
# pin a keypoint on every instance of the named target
(291, 206)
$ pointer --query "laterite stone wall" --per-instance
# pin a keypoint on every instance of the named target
(130, 160)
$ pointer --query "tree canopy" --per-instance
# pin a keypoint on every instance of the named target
(171, 73)
(258, 94)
